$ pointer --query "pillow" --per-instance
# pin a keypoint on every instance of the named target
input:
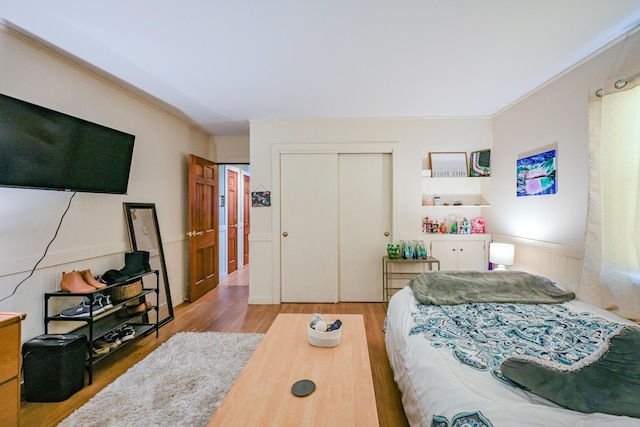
(610, 385)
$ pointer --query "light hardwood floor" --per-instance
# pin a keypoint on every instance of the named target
(225, 309)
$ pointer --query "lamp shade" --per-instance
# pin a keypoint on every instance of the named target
(501, 254)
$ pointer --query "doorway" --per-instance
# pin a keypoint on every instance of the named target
(232, 221)
(234, 218)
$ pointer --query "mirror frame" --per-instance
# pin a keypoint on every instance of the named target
(129, 209)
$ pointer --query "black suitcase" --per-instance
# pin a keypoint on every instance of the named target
(54, 366)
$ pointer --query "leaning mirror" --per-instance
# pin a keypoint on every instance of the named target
(144, 234)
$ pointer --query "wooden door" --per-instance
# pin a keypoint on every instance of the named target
(365, 223)
(232, 221)
(309, 227)
(203, 226)
(246, 204)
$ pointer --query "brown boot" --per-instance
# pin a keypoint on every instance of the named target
(135, 309)
(91, 281)
(73, 283)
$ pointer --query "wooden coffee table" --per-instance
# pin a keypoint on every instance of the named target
(344, 396)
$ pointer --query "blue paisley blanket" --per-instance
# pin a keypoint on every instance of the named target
(481, 336)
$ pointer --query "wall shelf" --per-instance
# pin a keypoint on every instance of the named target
(466, 189)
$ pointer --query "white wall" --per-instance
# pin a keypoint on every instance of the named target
(549, 229)
(94, 233)
(415, 138)
(229, 149)
(555, 114)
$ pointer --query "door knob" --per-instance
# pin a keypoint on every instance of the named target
(386, 234)
(285, 234)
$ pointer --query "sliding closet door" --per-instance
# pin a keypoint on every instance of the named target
(365, 185)
(309, 227)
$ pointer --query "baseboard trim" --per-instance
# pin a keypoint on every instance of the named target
(261, 301)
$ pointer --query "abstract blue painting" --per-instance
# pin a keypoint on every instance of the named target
(536, 175)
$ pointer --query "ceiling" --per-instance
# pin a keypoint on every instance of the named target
(220, 63)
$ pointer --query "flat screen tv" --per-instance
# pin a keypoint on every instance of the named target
(45, 149)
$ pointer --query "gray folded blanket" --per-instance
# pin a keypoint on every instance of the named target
(610, 385)
(463, 287)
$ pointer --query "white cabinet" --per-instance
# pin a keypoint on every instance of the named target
(460, 252)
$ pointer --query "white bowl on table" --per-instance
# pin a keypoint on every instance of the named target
(324, 338)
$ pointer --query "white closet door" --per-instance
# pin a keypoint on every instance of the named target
(309, 227)
(364, 218)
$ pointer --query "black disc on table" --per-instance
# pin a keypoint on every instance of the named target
(303, 388)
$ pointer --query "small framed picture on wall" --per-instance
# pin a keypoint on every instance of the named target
(260, 199)
(536, 174)
(447, 164)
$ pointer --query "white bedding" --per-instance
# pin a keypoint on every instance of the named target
(438, 390)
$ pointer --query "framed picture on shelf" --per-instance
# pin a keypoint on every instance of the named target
(480, 163)
(445, 164)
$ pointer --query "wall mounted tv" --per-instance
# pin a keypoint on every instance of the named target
(45, 149)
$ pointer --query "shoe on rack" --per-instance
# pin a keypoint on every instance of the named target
(135, 309)
(79, 310)
(100, 304)
(104, 344)
(113, 276)
(74, 283)
(98, 349)
(136, 263)
(112, 338)
(126, 332)
(90, 280)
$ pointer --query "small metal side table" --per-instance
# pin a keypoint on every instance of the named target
(389, 275)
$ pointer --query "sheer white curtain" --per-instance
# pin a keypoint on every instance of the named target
(611, 268)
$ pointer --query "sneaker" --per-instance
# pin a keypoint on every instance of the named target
(112, 338)
(100, 304)
(80, 310)
(126, 332)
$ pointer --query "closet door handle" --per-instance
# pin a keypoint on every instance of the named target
(285, 234)
(386, 234)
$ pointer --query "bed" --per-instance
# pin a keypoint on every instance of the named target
(450, 335)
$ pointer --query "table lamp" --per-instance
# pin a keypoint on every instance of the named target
(501, 254)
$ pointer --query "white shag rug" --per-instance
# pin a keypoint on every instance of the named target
(181, 383)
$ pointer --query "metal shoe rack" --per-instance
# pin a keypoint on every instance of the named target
(99, 324)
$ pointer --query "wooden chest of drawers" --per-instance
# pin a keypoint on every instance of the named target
(10, 360)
